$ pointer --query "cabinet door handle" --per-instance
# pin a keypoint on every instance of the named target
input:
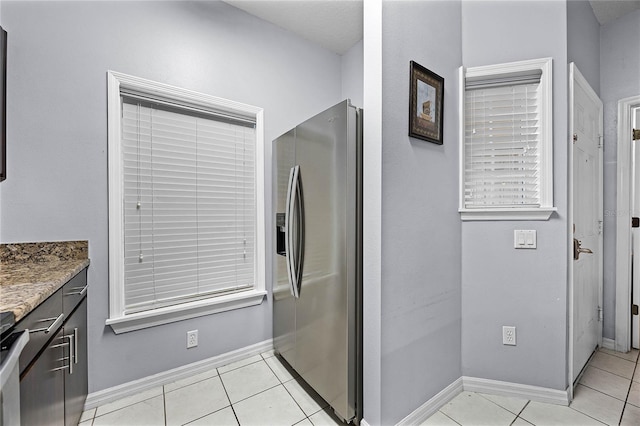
(63, 359)
(78, 291)
(75, 345)
(71, 338)
(59, 368)
(56, 322)
(63, 367)
(73, 349)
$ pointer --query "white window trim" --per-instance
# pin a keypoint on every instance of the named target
(119, 322)
(546, 208)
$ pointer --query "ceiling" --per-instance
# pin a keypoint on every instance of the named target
(337, 24)
(609, 10)
(333, 24)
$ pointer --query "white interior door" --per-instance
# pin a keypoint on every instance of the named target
(587, 220)
(635, 234)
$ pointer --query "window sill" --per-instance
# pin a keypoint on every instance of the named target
(506, 214)
(140, 320)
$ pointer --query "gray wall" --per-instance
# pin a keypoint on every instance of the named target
(57, 137)
(352, 68)
(501, 285)
(583, 41)
(420, 225)
(619, 78)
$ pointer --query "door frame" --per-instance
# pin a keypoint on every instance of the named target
(623, 224)
(576, 77)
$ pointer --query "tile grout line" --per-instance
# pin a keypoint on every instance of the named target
(257, 393)
(164, 406)
(618, 356)
(504, 408)
(294, 378)
(604, 393)
(192, 383)
(628, 392)
(273, 371)
(589, 415)
(580, 384)
(242, 366)
(299, 406)
(521, 411)
(445, 414)
(228, 397)
(165, 393)
(287, 390)
(607, 371)
(128, 405)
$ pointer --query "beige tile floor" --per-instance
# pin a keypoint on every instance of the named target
(260, 390)
(608, 393)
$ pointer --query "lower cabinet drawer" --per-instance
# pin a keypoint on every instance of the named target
(73, 292)
(43, 323)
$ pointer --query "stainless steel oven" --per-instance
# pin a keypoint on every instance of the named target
(11, 346)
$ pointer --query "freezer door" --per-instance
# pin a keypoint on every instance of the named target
(284, 319)
(325, 151)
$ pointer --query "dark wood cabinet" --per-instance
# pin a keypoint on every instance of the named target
(42, 386)
(53, 366)
(75, 380)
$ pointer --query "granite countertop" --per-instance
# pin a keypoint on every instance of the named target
(31, 272)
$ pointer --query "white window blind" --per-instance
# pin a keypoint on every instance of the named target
(189, 190)
(502, 145)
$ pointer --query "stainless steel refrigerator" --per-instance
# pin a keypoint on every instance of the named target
(317, 293)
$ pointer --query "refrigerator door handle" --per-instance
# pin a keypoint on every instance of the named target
(289, 245)
(300, 233)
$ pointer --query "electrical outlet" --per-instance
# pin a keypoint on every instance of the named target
(192, 339)
(508, 335)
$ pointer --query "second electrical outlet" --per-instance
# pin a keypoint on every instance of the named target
(508, 335)
(192, 339)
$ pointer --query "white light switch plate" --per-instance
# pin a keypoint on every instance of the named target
(525, 239)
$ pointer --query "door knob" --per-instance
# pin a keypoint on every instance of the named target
(577, 249)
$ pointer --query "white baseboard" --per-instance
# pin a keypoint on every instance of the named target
(474, 384)
(96, 399)
(609, 344)
(427, 409)
(533, 393)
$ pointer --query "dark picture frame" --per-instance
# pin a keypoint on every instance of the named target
(426, 101)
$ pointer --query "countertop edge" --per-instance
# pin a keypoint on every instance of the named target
(25, 297)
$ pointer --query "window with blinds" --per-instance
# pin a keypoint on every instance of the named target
(502, 155)
(186, 204)
(506, 141)
(189, 205)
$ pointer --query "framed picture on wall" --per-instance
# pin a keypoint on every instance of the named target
(425, 104)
